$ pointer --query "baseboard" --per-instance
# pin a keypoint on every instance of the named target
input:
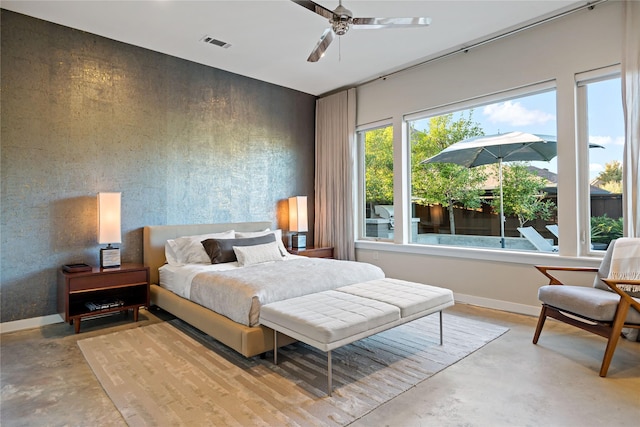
(511, 307)
(34, 322)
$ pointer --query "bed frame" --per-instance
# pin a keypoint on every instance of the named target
(248, 341)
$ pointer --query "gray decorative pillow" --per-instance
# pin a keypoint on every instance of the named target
(221, 250)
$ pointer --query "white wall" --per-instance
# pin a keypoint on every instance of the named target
(580, 42)
(554, 51)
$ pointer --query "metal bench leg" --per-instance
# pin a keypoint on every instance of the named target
(275, 347)
(329, 387)
(440, 327)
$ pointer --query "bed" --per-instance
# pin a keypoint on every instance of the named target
(247, 339)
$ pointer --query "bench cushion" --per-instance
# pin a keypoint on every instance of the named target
(412, 298)
(327, 317)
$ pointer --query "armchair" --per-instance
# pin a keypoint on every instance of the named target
(604, 309)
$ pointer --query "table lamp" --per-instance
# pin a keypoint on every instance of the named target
(109, 228)
(298, 221)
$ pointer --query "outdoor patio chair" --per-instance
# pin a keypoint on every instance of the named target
(553, 229)
(604, 309)
(536, 239)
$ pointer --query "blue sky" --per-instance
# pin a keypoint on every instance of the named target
(537, 114)
(606, 123)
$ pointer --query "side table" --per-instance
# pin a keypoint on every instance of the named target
(312, 252)
(102, 291)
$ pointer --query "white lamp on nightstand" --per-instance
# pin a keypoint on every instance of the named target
(109, 228)
(298, 222)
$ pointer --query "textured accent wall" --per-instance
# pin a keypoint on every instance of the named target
(183, 142)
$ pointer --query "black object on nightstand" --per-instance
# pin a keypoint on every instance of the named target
(76, 268)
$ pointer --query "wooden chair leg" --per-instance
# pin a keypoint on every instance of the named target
(616, 330)
(541, 319)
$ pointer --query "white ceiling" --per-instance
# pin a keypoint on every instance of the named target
(271, 39)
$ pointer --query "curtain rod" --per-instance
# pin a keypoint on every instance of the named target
(589, 5)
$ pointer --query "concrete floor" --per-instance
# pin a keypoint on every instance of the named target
(509, 382)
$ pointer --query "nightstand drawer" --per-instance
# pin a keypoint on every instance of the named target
(111, 280)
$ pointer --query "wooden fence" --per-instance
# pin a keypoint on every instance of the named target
(484, 221)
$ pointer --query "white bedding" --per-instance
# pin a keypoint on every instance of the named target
(238, 292)
(178, 278)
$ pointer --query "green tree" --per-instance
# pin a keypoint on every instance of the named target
(610, 178)
(446, 184)
(522, 194)
(612, 187)
(612, 172)
(378, 158)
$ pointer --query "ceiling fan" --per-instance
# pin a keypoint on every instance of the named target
(341, 19)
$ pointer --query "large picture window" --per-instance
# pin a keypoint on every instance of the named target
(502, 202)
(455, 202)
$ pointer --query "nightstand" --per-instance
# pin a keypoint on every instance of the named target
(102, 291)
(312, 252)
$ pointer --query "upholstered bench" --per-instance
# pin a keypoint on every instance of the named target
(330, 319)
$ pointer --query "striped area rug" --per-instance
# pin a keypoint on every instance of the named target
(170, 374)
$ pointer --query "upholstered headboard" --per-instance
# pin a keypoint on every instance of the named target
(155, 237)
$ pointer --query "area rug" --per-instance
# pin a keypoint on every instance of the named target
(170, 374)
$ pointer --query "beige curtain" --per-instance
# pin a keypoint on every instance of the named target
(631, 105)
(335, 156)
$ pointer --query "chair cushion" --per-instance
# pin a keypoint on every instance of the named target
(593, 303)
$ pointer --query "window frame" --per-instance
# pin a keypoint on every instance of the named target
(360, 217)
(582, 80)
(472, 103)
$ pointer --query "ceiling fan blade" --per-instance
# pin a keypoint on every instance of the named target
(315, 8)
(321, 47)
(370, 23)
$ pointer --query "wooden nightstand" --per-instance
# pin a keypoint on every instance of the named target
(101, 291)
(312, 252)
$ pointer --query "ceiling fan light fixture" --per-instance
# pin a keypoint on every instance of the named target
(341, 20)
(340, 26)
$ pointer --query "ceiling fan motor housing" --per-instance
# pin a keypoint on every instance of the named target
(341, 19)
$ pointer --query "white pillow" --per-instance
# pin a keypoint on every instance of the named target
(245, 234)
(278, 233)
(170, 255)
(257, 254)
(189, 249)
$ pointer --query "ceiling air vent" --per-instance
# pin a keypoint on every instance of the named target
(215, 42)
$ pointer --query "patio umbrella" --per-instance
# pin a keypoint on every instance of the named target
(504, 147)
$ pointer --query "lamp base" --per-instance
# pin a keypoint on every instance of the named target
(299, 241)
(110, 257)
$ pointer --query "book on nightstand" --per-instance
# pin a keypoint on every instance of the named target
(76, 268)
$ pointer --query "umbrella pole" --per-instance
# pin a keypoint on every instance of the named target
(502, 242)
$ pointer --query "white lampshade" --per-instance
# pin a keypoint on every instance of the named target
(298, 214)
(109, 218)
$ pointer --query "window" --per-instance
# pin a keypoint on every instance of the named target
(605, 127)
(376, 146)
(453, 204)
